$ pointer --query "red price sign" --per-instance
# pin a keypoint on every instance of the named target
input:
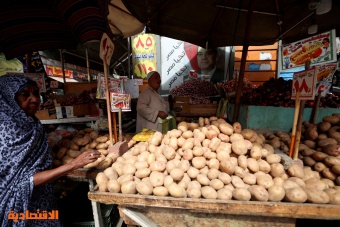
(106, 48)
(305, 83)
(323, 87)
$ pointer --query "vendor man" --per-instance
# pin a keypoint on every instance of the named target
(151, 105)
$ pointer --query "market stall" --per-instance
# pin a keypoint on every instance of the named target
(167, 211)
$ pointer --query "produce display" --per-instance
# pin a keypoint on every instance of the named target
(72, 147)
(197, 90)
(84, 97)
(319, 147)
(212, 159)
(230, 86)
(274, 92)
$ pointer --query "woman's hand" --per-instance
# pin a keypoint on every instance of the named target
(162, 114)
(85, 158)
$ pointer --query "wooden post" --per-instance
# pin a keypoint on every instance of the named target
(243, 61)
(299, 123)
(296, 115)
(315, 108)
(108, 106)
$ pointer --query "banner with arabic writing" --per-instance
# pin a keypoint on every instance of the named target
(179, 62)
(144, 54)
(319, 49)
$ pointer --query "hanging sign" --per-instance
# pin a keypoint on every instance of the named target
(305, 83)
(325, 72)
(319, 49)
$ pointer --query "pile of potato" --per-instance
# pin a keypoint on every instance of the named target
(214, 160)
(70, 148)
(319, 147)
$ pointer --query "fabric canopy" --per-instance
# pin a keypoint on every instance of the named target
(27, 26)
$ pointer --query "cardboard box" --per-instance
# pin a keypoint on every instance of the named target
(64, 112)
(46, 114)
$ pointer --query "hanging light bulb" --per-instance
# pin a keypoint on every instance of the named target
(323, 7)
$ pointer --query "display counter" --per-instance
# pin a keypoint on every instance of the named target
(170, 211)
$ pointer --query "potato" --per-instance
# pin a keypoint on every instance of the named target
(315, 195)
(224, 177)
(61, 153)
(173, 144)
(224, 194)
(256, 151)
(253, 165)
(239, 147)
(240, 172)
(226, 129)
(198, 162)
(258, 193)
(169, 152)
(160, 191)
(72, 153)
(111, 173)
(276, 193)
(227, 166)
(158, 166)
(105, 163)
(263, 166)
(144, 188)
(177, 174)
(298, 180)
(203, 179)
(237, 182)
(216, 184)
(265, 180)
(334, 198)
(308, 161)
(113, 186)
(213, 173)
(93, 164)
(319, 166)
(315, 183)
(277, 169)
(295, 170)
(249, 178)
(102, 139)
(295, 195)
(273, 158)
(241, 194)
(129, 187)
(102, 180)
(142, 173)
(208, 192)
(327, 173)
(194, 192)
(176, 191)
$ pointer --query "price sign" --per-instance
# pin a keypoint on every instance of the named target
(54, 84)
(106, 48)
(305, 83)
(323, 87)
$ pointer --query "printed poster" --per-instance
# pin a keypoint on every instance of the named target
(319, 49)
(182, 61)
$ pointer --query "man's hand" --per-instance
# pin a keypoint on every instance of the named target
(162, 114)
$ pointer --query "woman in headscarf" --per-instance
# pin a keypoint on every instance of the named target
(25, 157)
(151, 105)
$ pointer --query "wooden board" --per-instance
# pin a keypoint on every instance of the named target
(231, 207)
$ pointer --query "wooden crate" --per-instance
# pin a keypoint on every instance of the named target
(206, 110)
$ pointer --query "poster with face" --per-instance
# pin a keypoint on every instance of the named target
(182, 61)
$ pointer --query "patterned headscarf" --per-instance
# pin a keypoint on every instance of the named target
(24, 151)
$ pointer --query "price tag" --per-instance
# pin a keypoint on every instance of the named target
(305, 83)
(138, 81)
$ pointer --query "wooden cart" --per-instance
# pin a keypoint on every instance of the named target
(169, 211)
